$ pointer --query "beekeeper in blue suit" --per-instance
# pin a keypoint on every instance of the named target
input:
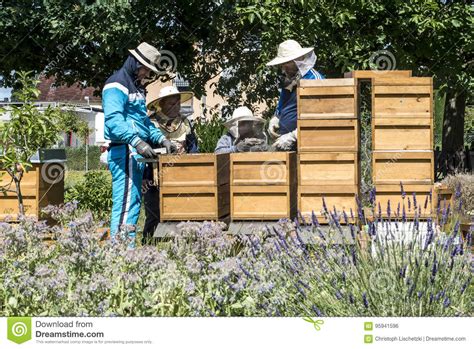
(296, 63)
(130, 131)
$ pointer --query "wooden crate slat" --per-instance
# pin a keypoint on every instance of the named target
(328, 169)
(310, 198)
(272, 168)
(400, 166)
(370, 74)
(327, 135)
(193, 169)
(392, 193)
(260, 202)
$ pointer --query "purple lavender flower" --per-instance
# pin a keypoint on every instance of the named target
(414, 200)
(316, 310)
(372, 196)
(388, 209)
(351, 298)
(314, 219)
(402, 191)
(365, 301)
(359, 208)
(464, 286)
(353, 254)
(457, 193)
(325, 208)
(446, 302)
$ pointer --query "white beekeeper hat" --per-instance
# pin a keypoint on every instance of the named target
(240, 114)
(289, 50)
(147, 55)
(166, 92)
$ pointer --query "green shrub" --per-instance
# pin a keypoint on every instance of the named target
(93, 193)
(76, 158)
(208, 133)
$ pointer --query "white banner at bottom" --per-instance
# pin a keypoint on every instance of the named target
(230, 333)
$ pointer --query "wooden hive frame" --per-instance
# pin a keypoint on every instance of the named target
(327, 115)
(39, 188)
(263, 186)
(194, 187)
(402, 104)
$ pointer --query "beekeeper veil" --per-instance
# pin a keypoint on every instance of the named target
(243, 124)
(305, 63)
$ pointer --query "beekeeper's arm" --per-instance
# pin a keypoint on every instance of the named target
(114, 98)
(274, 124)
(225, 145)
(286, 141)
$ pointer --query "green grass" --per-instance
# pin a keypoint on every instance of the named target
(72, 177)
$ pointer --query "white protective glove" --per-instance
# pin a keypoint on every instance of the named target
(286, 142)
(273, 127)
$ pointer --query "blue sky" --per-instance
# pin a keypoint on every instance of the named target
(5, 92)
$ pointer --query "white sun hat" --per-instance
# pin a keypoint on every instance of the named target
(147, 55)
(289, 50)
(240, 114)
(166, 92)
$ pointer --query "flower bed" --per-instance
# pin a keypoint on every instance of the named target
(289, 270)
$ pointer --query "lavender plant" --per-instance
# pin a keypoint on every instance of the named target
(395, 267)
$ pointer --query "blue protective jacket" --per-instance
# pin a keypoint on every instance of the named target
(123, 101)
(286, 109)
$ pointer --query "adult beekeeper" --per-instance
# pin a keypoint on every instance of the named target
(130, 131)
(244, 133)
(296, 63)
(167, 116)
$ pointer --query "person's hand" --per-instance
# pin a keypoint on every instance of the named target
(145, 150)
(242, 147)
(254, 141)
(274, 127)
(286, 142)
(170, 147)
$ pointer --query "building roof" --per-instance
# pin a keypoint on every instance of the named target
(62, 93)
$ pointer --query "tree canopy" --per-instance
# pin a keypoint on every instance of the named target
(86, 41)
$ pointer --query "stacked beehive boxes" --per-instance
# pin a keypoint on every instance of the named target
(263, 186)
(328, 146)
(194, 187)
(402, 141)
(41, 185)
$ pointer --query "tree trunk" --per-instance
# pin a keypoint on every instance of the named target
(453, 128)
(21, 207)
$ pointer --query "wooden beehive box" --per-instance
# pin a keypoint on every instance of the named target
(327, 115)
(340, 197)
(392, 193)
(41, 186)
(402, 113)
(263, 185)
(194, 187)
(371, 74)
(328, 168)
(409, 167)
(444, 195)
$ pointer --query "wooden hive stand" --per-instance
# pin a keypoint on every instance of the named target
(194, 187)
(402, 141)
(328, 147)
(263, 186)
